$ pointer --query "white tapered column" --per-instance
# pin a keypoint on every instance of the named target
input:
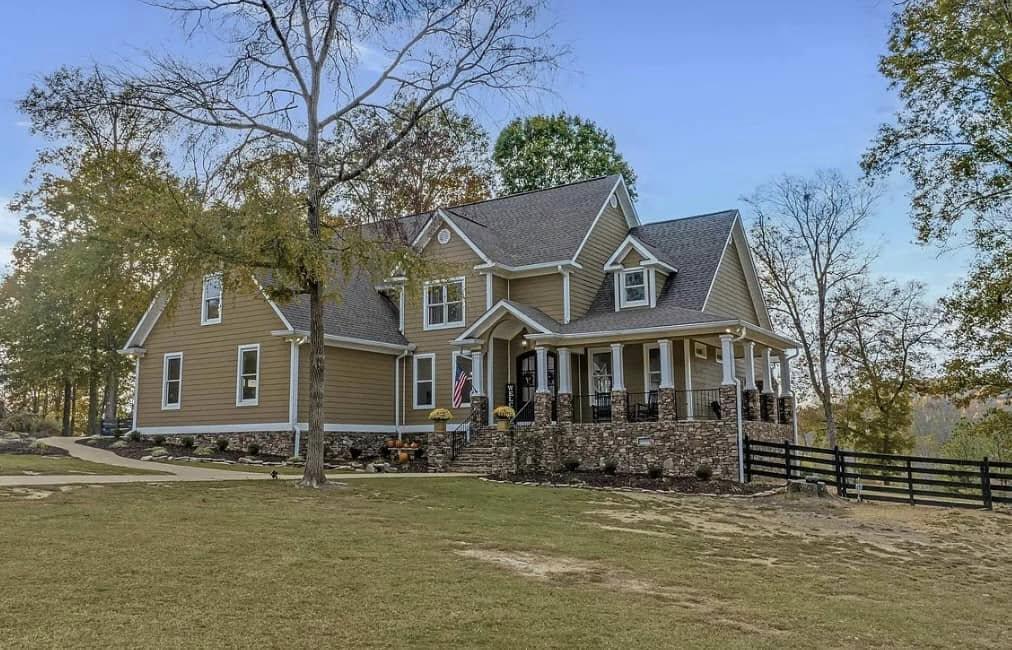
(727, 359)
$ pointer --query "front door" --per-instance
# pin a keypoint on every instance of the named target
(527, 383)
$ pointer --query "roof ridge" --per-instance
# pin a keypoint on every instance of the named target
(694, 216)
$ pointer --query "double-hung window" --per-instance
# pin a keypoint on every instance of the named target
(652, 367)
(460, 391)
(424, 374)
(210, 301)
(247, 389)
(172, 380)
(634, 288)
(444, 304)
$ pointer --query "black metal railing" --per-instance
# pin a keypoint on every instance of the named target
(699, 404)
(524, 418)
(591, 409)
(460, 435)
(642, 407)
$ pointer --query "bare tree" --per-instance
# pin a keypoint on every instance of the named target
(812, 263)
(294, 80)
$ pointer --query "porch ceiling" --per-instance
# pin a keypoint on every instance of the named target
(702, 331)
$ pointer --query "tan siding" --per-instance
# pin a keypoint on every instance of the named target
(359, 387)
(500, 289)
(632, 358)
(210, 358)
(632, 258)
(730, 295)
(660, 277)
(606, 236)
(706, 373)
(463, 259)
(500, 372)
(543, 292)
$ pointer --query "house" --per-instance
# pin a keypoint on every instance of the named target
(561, 303)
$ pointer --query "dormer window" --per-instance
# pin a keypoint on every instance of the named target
(210, 302)
(444, 304)
(634, 288)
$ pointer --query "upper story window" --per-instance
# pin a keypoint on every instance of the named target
(172, 380)
(444, 304)
(634, 288)
(210, 302)
(247, 389)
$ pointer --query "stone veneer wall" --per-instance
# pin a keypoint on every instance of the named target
(282, 443)
(769, 431)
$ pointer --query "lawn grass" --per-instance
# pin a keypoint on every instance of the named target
(463, 563)
(18, 464)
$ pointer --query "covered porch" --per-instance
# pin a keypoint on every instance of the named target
(678, 373)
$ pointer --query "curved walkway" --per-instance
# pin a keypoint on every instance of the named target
(174, 473)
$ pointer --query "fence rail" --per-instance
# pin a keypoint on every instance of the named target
(917, 480)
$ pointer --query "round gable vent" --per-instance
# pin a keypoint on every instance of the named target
(443, 237)
(613, 201)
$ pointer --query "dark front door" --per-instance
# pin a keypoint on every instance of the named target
(527, 383)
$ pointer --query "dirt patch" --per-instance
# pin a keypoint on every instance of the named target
(679, 484)
(28, 494)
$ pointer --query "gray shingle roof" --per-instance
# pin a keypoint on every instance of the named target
(536, 315)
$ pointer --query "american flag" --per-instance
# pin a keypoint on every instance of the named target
(459, 383)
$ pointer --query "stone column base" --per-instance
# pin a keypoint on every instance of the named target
(667, 408)
(565, 407)
(437, 450)
(619, 406)
(785, 409)
(543, 408)
(479, 412)
(750, 404)
(728, 402)
(768, 407)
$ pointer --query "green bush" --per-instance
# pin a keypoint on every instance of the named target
(134, 436)
(187, 442)
(253, 449)
(704, 472)
(221, 443)
(159, 440)
(655, 471)
(610, 467)
(571, 464)
(204, 451)
(30, 423)
(117, 434)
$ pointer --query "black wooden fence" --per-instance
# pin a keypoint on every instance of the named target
(916, 480)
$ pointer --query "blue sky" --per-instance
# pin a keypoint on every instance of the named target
(706, 100)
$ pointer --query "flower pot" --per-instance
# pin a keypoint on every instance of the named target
(402, 457)
(502, 425)
(439, 426)
(398, 443)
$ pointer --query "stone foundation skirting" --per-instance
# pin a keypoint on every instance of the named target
(282, 443)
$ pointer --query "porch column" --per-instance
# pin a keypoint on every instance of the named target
(479, 402)
(768, 400)
(750, 394)
(565, 406)
(618, 393)
(543, 395)
(785, 405)
(666, 406)
(727, 359)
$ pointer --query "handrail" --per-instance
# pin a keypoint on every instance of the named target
(458, 437)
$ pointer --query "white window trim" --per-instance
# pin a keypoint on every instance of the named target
(165, 381)
(647, 347)
(463, 304)
(646, 288)
(239, 401)
(696, 345)
(466, 403)
(204, 320)
(414, 381)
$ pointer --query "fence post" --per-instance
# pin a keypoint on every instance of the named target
(985, 482)
(747, 456)
(843, 471)
(787, 459)
(910, 483)
(838, 470)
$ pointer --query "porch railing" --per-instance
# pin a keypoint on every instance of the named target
(460, 436)
(593, 408)
(704, 403)
(645, 406)
(642, 407)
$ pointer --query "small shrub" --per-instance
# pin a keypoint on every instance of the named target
(204, 451)
(571, 464)
(704, 472)
(610, 467)
(221, 444)
(655, 471)
(159, 440)
(30, 423)
(158, 451)
(295, 460)
(354, 452)
(187, 442)
(117, 434)
(253, 449)
(134, 436)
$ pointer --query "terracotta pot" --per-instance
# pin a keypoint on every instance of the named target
(398, 443)
(390, 442)
(402, 457)
(414, 445)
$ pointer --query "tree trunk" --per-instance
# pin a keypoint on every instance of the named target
(92, 428)
(73, 408)
(111, 396)
(67, 423)
(314, 475)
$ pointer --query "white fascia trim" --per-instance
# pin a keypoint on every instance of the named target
(567, 308)
(475, 330)
(422, 240)
(527, 270)
(350, 342)
(239, 401)
(216, 428)
(749, 330)
(274, 305)
(751, 275)
(488, 290)
(630, 242)
(632, 219)
(146, 323)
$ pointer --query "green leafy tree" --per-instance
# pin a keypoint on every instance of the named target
(949, 60)
(990, 436)
(547, 150)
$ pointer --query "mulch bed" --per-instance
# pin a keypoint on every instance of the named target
(137, 450)
(679, 484)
